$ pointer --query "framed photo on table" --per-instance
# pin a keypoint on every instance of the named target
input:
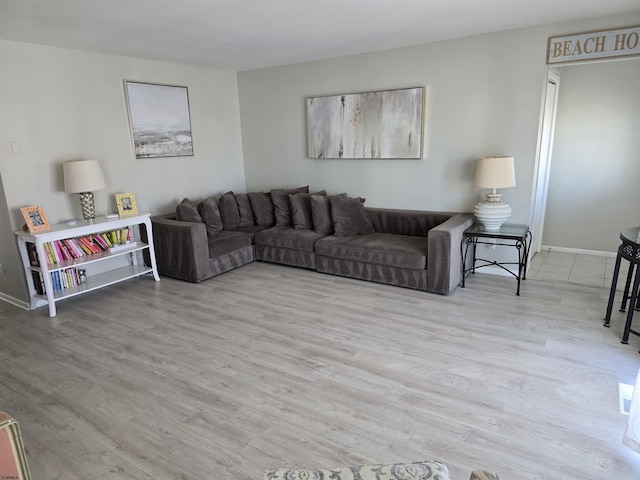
(126, 204)
(35, 219)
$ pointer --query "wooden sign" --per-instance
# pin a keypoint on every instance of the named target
(582, 47)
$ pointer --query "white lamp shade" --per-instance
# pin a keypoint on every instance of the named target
(495, 172)
(83, 176)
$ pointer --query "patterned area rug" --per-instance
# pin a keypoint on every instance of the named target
(429, 470)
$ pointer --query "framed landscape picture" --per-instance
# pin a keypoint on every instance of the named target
(384, 124)
(159, 119)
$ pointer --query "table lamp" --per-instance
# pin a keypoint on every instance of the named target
(493, 173)
(82, 177)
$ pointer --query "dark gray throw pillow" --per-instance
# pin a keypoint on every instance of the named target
(186, 211)
(229, 211)
(262, 208)
(321, 214)
(301, 215)
(282, 204)
(349, 216)
(210, 214)
(244, 208)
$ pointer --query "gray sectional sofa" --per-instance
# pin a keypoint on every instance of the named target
(330, 234)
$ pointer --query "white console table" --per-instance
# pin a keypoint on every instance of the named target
(107, 275)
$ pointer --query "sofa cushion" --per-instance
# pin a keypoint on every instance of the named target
(244, 209)
(288, 237)
(349, 216)
(208, 209)
(262, 207)
(186, 211)
(229, 211)
(402, 251)
(321, 214)
(282, 204)
(227, 242)
(301, 214)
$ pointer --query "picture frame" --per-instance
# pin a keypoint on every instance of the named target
(387, 124)
(35, 219)
(159, 119)
(126, 204)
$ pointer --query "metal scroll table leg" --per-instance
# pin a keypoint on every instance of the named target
(612, 291)
(634, 297)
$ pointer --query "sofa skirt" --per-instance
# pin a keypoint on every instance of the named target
(286, 256)
(402, 277)
(231, 260)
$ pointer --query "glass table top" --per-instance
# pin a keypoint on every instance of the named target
(631, 235)
(508, 230)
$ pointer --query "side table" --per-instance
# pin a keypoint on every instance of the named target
(629, 249)
(510, 235)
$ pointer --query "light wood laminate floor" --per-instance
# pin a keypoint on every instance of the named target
(269, 366)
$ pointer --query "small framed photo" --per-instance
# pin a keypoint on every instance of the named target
(126, 204)
(35, 218)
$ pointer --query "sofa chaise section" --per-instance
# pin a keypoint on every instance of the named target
(410, 248)
(184, 251)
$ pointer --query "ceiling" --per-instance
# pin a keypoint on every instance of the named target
(249, 34)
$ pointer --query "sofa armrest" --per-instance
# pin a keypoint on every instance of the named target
(483, 475)
(444, 257)
(182, 248)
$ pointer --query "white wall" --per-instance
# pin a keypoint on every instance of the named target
(593, 187)
(62, 104)
(483, 98)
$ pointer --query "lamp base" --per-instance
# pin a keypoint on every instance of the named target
(492, 215)
(87, 205)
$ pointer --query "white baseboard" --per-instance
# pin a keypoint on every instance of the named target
(14, 301)
(578, 251)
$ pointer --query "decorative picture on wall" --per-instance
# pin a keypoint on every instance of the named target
(35, 219)
(126, 204)
(386, 124)
(159, 120)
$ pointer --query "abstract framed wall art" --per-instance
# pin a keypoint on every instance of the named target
(385, 124)
(159, 120)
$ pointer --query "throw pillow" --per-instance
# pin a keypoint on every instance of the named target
(349, 216)
(229, 211)
(301, 215)
(186, 211)
(262, 208)
(282, 204)
(321, 214)
(210, 214)
(244, 208)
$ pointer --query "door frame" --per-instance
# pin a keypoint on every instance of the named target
(544, 150)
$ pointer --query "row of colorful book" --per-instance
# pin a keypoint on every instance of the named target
(68, 249)
(66, 278)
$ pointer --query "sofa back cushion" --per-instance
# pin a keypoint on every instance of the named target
(186, 211)
(282, 204)
(262, 209)
(349, 216)
(229, 211)
(210, 214)
(301, 214)
(321, 214)
(244, 208)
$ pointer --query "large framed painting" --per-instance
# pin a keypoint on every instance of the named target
(385, 124)
(159, 119)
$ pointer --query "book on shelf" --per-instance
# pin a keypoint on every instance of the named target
(32, 252)
(38, 282)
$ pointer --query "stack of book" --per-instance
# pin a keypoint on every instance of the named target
(68, 249)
